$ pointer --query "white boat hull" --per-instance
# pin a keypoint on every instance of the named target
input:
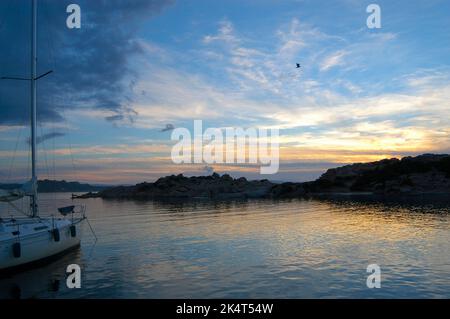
(37, 245)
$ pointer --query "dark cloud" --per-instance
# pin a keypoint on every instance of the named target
(91, 65)
(126, 115)
(115, 118)
(169, 127)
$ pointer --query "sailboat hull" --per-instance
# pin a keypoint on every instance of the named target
(38, 246)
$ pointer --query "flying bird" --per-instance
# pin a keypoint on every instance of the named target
(169, 127)
(298, 65)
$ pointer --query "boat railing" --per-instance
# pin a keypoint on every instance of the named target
(79, 211)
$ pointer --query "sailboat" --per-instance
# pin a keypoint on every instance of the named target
(26, 241)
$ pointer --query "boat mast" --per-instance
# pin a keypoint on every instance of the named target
(34, 195)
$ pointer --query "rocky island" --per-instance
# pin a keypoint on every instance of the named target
(196, 187)
(426, 173)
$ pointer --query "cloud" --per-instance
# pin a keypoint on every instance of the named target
(114, 118)
(333, 60)
(427, 78)
(124, 116)
(169, 127)
(252, 68)
(225, 34)
(234, 78)
(256, 94)
(91, 65)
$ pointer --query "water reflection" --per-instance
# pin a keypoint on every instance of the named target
(293, 248)
(47, 280)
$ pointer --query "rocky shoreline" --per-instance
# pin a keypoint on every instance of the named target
(196, 187)
(424, 174)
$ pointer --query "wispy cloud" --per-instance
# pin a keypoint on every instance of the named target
(350, 101)
(224, 34)
(333, 60)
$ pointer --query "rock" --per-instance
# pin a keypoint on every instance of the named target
(287, 190)
(226, 177)
(179, 186)
(426, 173)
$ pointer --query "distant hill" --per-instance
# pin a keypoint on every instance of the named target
(50, 186)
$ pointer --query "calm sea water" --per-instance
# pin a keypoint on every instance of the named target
(252, 249)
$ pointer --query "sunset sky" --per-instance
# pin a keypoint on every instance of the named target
(135, 66)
